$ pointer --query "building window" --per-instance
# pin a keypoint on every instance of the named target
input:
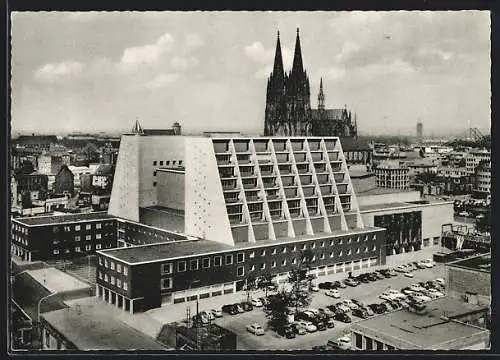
(358, 340)
(313, 245)
(125, 286)
(294, 249)
(274, 251)
(154, 183)
(77, 227)
(106, 277)
(98, 225)
(118, 283)
(98, 246)
(125, 270)
(100, 275)
(331, 254)
(77, 238)
(166, 283)
(167, 163)
(340, 252)
(322, 244)
(55, 252)
(331, 242)
(273, 264)
(112, 265)
(357, 250)
(313, 258)
(88, 227)
(341, 241)
(218, 261)
(374, 248)
(88, 247)
(77, 249)
(113, 280)
(369, 343)
(154, 163)
(294, 261)
(304, 246)
(229, 259)
(263, 253)
(67, 229)
(166, 268)
(349, 252)
(193, 264)
(100, 261)
(283, 262)
(161, 163)
(205, 263)
(181, 266)
(180, 162)
(252, 268)
(262, 266)
(322, 256)
(98, 236)
(119, 268)
(366, 249)
(357, 238)
(240, 271)
(88, 237)
(283, 250)
(251, 255)
(173, 162)
(240, 257)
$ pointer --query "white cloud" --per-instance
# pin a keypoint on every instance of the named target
(58, 71)
(161, 81)
(258, 53)
(147, 54)
(183, 63)
(194, 41)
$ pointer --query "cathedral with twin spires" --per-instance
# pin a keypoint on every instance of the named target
(288, 103)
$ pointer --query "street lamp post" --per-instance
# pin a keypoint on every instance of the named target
(38, 316)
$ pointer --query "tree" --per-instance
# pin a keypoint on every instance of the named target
(250, 287)
(264, 282)
(277, 309)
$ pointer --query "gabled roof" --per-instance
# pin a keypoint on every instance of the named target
(329, 114)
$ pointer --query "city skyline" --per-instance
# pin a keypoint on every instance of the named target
(203, 71)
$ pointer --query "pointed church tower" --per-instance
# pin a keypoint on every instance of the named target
(137, 128)
(321, 96)
(298, 95)
(275, 113)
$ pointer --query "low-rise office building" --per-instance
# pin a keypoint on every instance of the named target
(391, 174)
(446, 324)
(63, 236)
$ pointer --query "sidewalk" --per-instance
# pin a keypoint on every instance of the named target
(177, 312)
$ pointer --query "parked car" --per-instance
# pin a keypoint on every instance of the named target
(392, 273)
(361, 313)
(256, 302)
(416, 287)
(387, 296)
(395, 304)
(342, 343)
(333, 308)
(421, 297)
(325, 312)
(373, 276)
(436, 292)
(409, 274)
(341, 316)
(333, 293)
(256, 329)
(309, 326)
(208, 314)
(385, 273)
(404, 304)
(320, 325)
(230, 309)
(379, 276)
(430, 294)
(328, 285)
(421, 265)
(343, 307)
(200, 320)
(368, 310)
(239, 308)
(378, 308)
(329, 322)
(440, 281)
(217, 312)
(351, 282)
(401, 269)
(299, 329)
(314, 288)
(363, 278)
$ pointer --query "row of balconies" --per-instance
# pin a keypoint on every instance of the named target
(242, 146)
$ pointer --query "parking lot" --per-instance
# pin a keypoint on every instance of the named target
(365, 292)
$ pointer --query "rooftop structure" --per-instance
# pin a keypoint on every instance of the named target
(441, 328)
(476, 263)
(83, 328)
(62, 219)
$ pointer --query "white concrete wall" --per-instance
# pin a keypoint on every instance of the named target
(206, 214)
(156, 148)
(171, 189)
(124, 200)
(388, 198)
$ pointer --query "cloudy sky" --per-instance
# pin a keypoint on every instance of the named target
(100, 71)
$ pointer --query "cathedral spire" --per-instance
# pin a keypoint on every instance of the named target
(278, 60)
(297, 57)
(321, 96)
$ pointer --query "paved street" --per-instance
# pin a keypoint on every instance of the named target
(366, 293)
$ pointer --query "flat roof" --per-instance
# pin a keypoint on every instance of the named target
(89, 329)
(380, 191)
(187, 248)
(56, 280)
(479, 263)
(170, 220)
(401, 204)
(60, 219)
(424, 331)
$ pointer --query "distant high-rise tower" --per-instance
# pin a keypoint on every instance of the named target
(288, 104)
(420, 131)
